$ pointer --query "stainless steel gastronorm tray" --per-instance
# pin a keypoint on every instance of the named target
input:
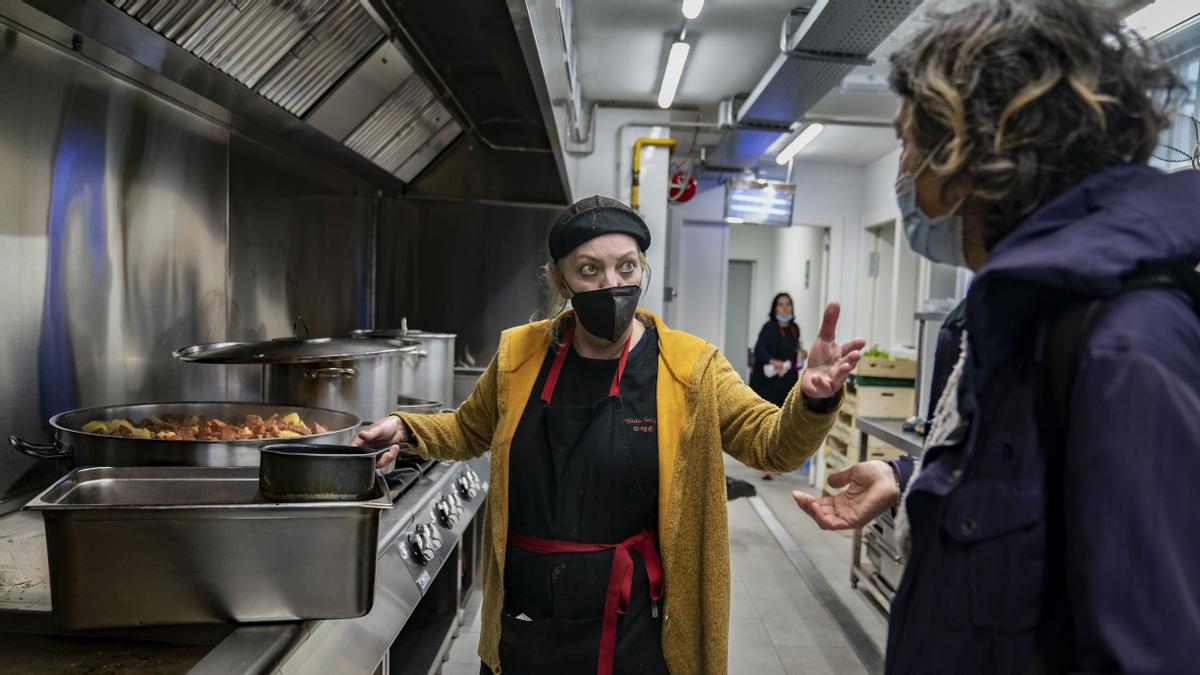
(139, 546)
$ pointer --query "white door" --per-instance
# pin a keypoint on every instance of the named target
(698, 307)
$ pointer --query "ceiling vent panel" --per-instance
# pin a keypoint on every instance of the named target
(836, 36)
(403, 135)
(245, 39)
(321, 59)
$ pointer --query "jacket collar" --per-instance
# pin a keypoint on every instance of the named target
(678, 350)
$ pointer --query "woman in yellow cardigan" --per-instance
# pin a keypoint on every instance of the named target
(607, 549)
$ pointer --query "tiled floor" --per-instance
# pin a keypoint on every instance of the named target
(776, 625)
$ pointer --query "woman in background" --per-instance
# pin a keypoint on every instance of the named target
(778, 356)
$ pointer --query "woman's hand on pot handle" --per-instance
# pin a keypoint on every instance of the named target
(829, 363)
(388, 433)
(871, 489)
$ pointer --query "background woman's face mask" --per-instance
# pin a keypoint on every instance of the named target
(939, 239)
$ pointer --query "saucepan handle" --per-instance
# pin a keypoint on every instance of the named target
(332, 373)
(56, 450)
(415, 356)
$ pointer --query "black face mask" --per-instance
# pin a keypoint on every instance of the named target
(606, 313)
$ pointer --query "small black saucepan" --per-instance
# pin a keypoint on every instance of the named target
(290, 472)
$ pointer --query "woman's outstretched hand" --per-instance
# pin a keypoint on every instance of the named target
(871, 489)
(829, 363)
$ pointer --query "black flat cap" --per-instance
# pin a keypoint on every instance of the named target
(593, 217)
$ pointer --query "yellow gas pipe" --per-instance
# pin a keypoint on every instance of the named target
(668, 143)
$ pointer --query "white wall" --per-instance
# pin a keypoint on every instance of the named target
(794, 246)
(830, 195)
(607, 171)
(879, 195)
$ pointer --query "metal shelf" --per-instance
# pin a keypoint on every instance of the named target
(891, 432)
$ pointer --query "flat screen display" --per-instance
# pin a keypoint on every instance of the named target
(759, 202)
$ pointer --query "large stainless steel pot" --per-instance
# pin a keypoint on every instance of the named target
(431, 376)
(363, 377)
(82, 448)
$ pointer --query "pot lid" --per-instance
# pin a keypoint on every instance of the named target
(391, 333)
(402, 332)
(293, 350)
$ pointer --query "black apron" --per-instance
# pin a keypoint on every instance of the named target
(583, 579)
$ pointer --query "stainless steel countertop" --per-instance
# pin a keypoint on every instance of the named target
(250, 648)
(891, 431)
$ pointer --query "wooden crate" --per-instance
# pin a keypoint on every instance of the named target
(842, 432)
(885, 402)
(849, 404)
(836, 458)
(898, 369)
(884, 452)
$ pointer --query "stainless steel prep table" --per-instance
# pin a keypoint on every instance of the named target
(889, 431)
(325, 646)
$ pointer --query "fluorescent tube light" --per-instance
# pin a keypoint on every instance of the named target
(810, 132)
(672, 74)
(1161, 15)
(691, 8)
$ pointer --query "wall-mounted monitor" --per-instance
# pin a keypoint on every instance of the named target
(759, 202)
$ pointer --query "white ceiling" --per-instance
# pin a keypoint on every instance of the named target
(622, 48)
(622, 43)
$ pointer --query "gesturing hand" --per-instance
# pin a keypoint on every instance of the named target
(871, 489)
(829, 363)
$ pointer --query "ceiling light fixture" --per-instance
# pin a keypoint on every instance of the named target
(672, 74)
(810, 132)
(691, 8)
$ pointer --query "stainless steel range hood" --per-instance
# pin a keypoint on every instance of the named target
(300, 53)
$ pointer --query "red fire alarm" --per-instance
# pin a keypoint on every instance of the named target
(682, 187)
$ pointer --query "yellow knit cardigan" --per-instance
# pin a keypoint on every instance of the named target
(704, 408)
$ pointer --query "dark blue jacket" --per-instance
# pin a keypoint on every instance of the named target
(1115, 587)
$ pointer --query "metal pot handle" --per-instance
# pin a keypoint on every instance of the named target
(331, 372)
(55, 450)
(415, 355)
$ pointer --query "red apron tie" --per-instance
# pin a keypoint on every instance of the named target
(620, 579)
(561, 356)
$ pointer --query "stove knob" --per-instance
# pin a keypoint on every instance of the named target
(421, 545)
(446, 512)
(465, 487)
(435, 539)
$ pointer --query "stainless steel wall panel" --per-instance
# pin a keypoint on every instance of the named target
(470, 268)
(301, 243)
(113, 239)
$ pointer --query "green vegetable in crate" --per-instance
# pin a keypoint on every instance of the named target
(876, 353)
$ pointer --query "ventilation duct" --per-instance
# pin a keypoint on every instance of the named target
(834, 38)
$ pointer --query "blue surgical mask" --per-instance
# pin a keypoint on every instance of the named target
(938, 239)
(784, 318)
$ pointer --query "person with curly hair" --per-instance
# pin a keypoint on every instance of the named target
(1043, 538)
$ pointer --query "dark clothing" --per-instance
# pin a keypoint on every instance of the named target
(945, 355)
(585, 470)
(775, 342)
(986, 589)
